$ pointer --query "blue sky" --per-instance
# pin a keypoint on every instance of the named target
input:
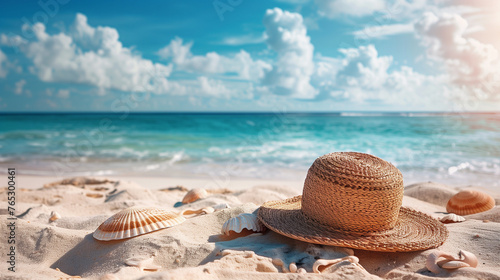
(240, 55)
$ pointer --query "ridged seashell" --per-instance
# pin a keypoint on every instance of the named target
(301, 271)
(54, 216)
(136, 221)
(243, 221)
(194, 194)
(452, 218)
(454, 265)
(328, 266)
(468, 202)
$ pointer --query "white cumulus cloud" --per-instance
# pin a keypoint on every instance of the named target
(384, 30)
(364, 76)
(93, 56)
(291, 73)
(363, 68)
(358, 75)
(241, 63)
(213, 87)
(470, 63)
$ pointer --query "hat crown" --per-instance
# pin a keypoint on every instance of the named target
(353, 191)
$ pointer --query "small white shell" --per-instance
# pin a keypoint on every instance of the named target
(452, 218)
(136, 221)
(194, 195)
(322, 265)
(243, 221)
(454, 265)
(54, 216)
(292, 267)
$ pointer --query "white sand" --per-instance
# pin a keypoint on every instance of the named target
(193, 250)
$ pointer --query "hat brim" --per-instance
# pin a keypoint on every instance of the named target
(413, 231)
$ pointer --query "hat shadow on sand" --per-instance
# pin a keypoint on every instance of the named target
(273, 245)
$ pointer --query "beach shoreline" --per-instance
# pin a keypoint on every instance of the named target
(223, 180)
(159, 182)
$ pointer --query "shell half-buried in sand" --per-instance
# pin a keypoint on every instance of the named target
(136, 221)
(194, 195)
(469, 202)
(452, 218)
(241, 222)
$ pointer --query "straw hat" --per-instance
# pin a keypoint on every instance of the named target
(353, 200)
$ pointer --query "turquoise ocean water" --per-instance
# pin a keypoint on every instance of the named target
(458, 149)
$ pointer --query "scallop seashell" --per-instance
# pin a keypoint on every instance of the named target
(243, 221)
(321, 265)
(136, 221)
(54, 216)
(452, 218)
(194, 195)
(468, 202)
(454, 265)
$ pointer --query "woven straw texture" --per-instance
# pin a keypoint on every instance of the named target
(353, 200)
